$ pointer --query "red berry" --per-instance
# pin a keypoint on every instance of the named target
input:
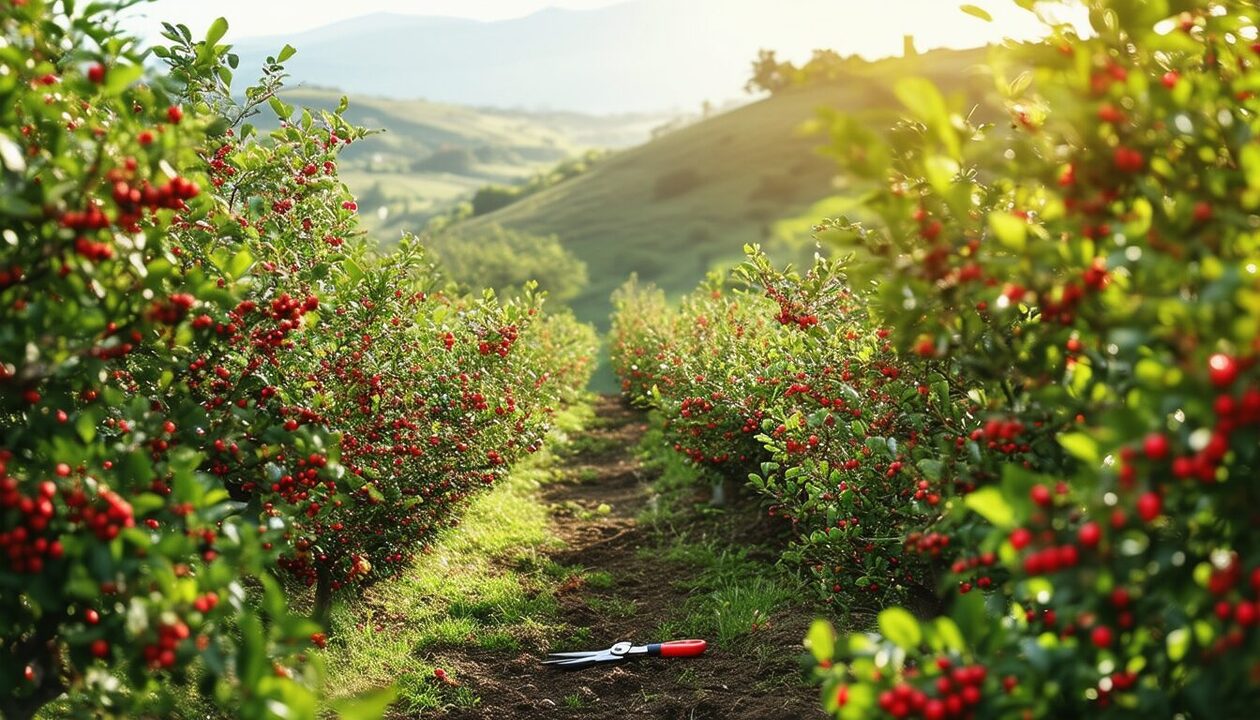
(1222, 370)
(1089, 534)
(1149, 506)
(1155, 446)
(1101, 636)
(1245, 613)
(1020, 537)
(1183, 467)
(174, 114)
(1128, 160)
(100, 648)
(96, 73)
(1041, 495)
(1170, 79)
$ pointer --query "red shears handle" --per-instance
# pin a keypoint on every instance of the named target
(677, 648)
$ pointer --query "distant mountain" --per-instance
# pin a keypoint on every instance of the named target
(637, 56)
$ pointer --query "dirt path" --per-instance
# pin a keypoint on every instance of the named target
(757, 678)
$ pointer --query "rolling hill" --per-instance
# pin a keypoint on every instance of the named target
(688, 201)
(429, 154)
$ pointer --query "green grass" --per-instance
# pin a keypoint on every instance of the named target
(574, 701)
(676, 479)
(586, 475)
(613, 607)
(590, 445)
(580, 512)
(486, 585)
(730, 595)
(732, 610)
(600, 579)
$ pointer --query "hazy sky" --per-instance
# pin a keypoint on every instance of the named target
(250, 18)
(872, 28)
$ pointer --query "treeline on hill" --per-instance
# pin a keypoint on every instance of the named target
(505, 259)
(213, 393)
(1028, 403)
(769, 74)
(493, 197)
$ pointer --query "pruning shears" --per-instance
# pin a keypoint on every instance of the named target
(625, 651)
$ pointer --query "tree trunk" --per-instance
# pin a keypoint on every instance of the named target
(323, 595)
(25, 708)
(718, 499)
(40, 651)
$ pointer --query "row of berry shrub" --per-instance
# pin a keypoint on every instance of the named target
(1072, 304)
(784, 373)
(212, 392)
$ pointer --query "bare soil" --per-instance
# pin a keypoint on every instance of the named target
(760, 678)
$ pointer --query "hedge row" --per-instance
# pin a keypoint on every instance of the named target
(1050, 413)
(211, 388)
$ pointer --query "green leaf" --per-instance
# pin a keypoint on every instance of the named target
(940, 171)
(989, 504)
(970, 615)
(1082, 447)
(1178, 644)
(282, 110)
(977, 12)
(922, 98)
(217, 30)
(950, 636)
(899, 626)
(1249, 157)
(1010, 230)
(253, 649)
(85, 424)
(930, 468)
(120, 77)
(286, 52)
(239, 264)
(925, 101)
(368, 706)
(821, 640)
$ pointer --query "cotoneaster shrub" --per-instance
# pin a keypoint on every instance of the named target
(1073, 297)
(1090, 280)
(787, 375)
(125, 569)
(207, 377)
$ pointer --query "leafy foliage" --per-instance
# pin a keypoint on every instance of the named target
(205, 376)
(505, 260)
(1075, 298)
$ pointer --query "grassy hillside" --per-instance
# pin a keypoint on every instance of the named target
(687, 201)
(432, 154)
